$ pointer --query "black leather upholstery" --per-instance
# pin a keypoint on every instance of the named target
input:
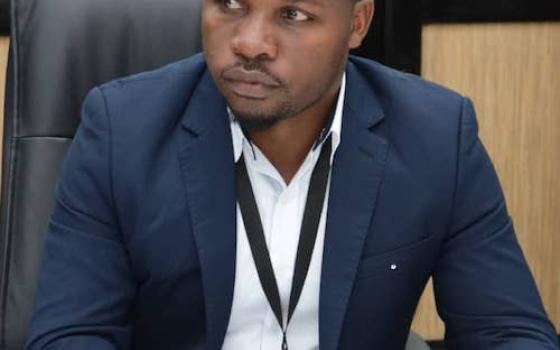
(60, 49)
(4, 16)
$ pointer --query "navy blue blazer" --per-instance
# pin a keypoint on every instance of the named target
(140, 251)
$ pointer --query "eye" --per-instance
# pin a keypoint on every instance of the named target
(295, 15)
(231, 4)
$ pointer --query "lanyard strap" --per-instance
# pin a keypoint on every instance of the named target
(307, 237)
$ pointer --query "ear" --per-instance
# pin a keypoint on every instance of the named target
(361, 21)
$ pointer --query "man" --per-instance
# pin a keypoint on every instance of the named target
(273, 193)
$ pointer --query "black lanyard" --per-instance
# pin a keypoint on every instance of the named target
(308, 234)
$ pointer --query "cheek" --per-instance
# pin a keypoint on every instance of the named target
(316, 57)
(216, 53)
(314, 48)
(215, 34)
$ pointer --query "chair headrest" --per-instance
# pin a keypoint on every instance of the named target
(62, 48)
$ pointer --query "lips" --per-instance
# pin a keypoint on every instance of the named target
(253, 77)
(249, 84)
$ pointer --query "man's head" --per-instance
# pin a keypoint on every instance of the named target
(274, 59)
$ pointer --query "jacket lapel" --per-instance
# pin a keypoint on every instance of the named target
(206, 158)
(356, 177)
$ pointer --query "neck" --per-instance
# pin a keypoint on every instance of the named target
(287, 143)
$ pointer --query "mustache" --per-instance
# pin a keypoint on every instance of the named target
(252, 67)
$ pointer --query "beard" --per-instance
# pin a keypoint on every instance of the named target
(257, 124)
(262, 120)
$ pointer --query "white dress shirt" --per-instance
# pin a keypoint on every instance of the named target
(252, 324)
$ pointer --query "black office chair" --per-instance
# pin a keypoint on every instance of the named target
(59, 50)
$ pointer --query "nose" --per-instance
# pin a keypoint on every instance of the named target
(254, 39)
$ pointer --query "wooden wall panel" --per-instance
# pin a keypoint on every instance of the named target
(4, 46)
(511, 71)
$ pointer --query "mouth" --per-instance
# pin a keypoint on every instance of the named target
(254, 85)
(254, 91)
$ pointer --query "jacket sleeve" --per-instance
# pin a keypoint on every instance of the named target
(85, 284)
(484, 290)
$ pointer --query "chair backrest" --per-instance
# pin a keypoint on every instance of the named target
(59, 50)
(4, 16)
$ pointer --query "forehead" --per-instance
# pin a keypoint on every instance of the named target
(315, 3)
(310, 2)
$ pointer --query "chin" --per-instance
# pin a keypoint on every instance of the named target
(256, 123)
(250, 119)
(258, 114)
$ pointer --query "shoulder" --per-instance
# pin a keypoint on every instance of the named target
(188, 68)
(152, 100)
(419, 111)
(391, 84)
(404, 95)
(168, 84)
(424, 122)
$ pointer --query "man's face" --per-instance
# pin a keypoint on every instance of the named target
(274, 59)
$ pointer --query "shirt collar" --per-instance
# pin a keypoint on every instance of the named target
(333, 127)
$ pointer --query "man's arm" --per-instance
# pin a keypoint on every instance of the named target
(85, 284)
(484, 290)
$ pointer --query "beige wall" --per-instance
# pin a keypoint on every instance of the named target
(511, 71)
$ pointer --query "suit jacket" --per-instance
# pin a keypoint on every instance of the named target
(141, 245)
